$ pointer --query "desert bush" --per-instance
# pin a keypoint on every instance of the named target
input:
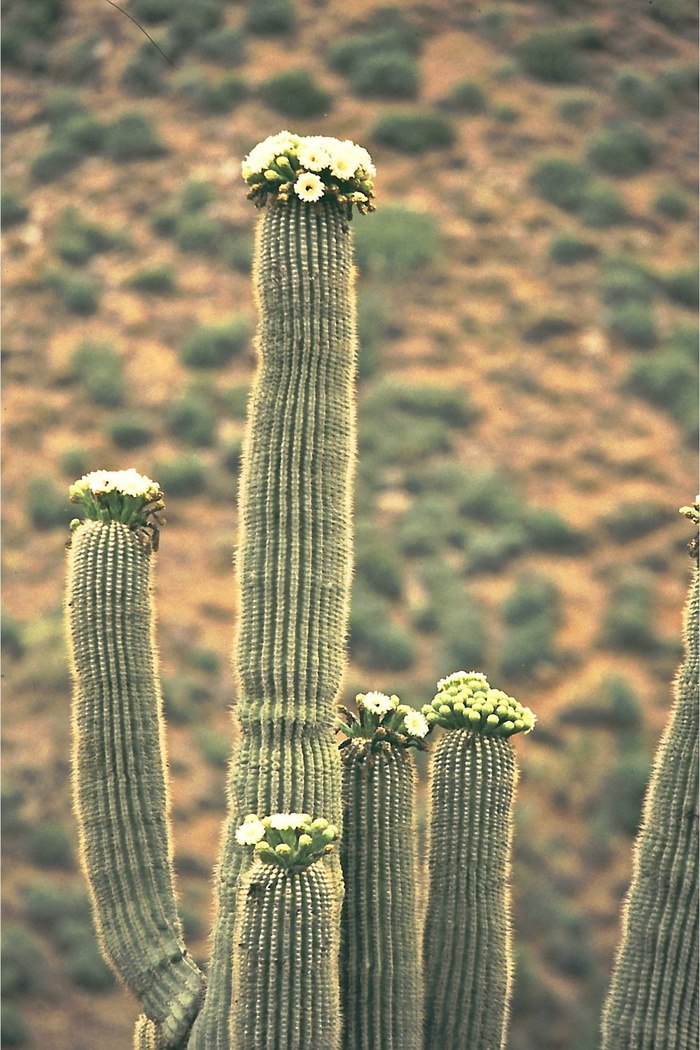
(23, 961)
(489, 498)
(154, 280)
(11, 636)
(295, 94)
(190, 23)
(566, 250)
(198, 234)
(668, 379)
(628, 618)
(525, 646)
(396, 36)
(385, 75)
(671, 204)
(634, 324)
(416, 132)
(625, 282)
(622, 151)
(184, 476)
(603, 207)
(74, 462)
(270, 17)
(490, 551)
(466, 97)
(232, 456)
(532, 596)
(561, 181)
(132, 137)
(155, 11)
(237, 251)
(14, 1030)
(614, 706)
(46, 904)
(191, 419)
(225, 46)
(632, 520)
(47, 507)
(550, 55)
(681, 286)
(623, 790)
(547, 327)
(375, 642)
(430, 524)
(78, 294)
(462, 630)
(221, 96)
(100, 370)
(12, 210)
(50, 846)
(646, 97)
(87, 969)
(235, 400)
(575, 108)
(143, 74)
(27, 28)
(377, 565)
(548, 531)
(183, 697)
(55, 161)
(76, 239)
(214, 747)
(393, 242)
(129, 430)
(213, 346)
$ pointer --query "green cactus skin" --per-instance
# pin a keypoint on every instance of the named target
(286, 960)
(467, 939)
(380, 972)
(119, 777)
(294, 559)
(145, 1034)
(652, 1003)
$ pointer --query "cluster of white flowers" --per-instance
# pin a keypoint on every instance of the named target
(378, 703)
(416, 724)
(128, 482)
(289, 821)
(465, 700)
(311, 166)
(252, 830)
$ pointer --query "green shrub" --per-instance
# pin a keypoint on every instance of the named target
(76, 240)
(375, 642)
(55, 161)
(215, 345)
(74, 462)
(548, 327)
(232, 456)
(12, 211)
(615, 706)
(413, 132)
(550, 55)
(191, 419)
(385, 75)
(14, 1030)
(183, 698)
(195, 195)
(132, 137)
(237, 251)
(681, 286)
(214, 747)
(622, 151)
(22, 961)
(450, 406)
(87, 969)
(634, 324)
(154, 280)
(155, 11)
(466, 97)
(223, 95)
(644, 96)
(567, 251)
(78, 294)
(676, 15)
(100, 370)
(198, 234)
(489, 498)
(624, 281)
(395, 240)
(11, 636)
(47, 903)
(397, 36)
(190, 23)
(374, 324)
(226, 47)
(235, 400)
(47, 507)
(602, 207)
(575, 108)
(130, 430)
(525, 646)
(377, 566)
(671, 204)
(533, 596)
(143, 75)
(632, 520)
(50, 846)
(402, 439)
(26, 28)
(184, 476)
(295, 94)
(489, 552)
(682, 82)
(462, 630)
(628, 618)
(506, 114)
(269, 17)
(81, 133)
(668, 379)
(430, 524)
(548, 531)
(562, 182)
(623, 790)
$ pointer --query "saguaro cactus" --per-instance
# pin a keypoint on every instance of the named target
(652, 1003)
(381, 980)
(468, 964)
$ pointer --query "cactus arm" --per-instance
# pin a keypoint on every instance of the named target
(119, 775)
(652, 1002)
(467, 938)
(294, 557)
(381, 981)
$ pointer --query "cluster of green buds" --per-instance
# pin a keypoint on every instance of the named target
(293, 841)
(311, 167)
(383, 721)
(117, 495)
(465, 700)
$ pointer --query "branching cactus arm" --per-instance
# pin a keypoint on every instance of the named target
(119, 776)
(467, 946)
(652, 1003)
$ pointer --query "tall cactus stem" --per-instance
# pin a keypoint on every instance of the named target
(652, 1002)
(467, 939)
(294, 558)
(119, 777)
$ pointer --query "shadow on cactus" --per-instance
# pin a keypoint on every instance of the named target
(316, 947)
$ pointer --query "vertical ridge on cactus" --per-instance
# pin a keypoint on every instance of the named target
(119, 776)
(652, 1002)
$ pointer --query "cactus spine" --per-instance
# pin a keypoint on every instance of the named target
(468, 958)
(652, 1002)
(119, 780)
(381, 981)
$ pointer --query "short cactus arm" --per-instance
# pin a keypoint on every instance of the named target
(467, 939)
(652, 1002)
(380, 972)
(119, 776)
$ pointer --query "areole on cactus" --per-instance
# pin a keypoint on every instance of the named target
(320, 937)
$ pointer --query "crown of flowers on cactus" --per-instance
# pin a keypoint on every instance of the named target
(381, 722)
(465, 700)
(693, 514)
(293, 841)
(118, 495)
(311, 167)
